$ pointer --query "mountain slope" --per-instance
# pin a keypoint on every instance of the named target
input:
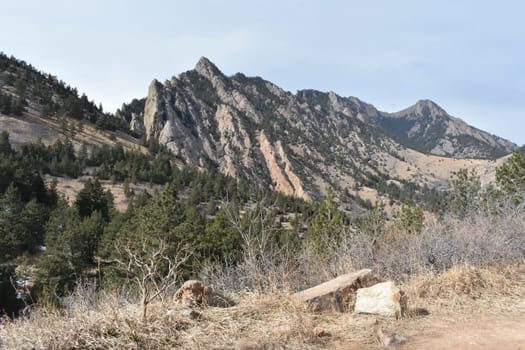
(38, 105)
(246, 127)
(428, 128)
(299, 144)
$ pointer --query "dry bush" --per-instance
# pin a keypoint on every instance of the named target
(275, 271)
(482, 240)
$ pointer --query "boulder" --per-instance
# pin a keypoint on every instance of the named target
(383, 299)
(194, 293)
(338, 293)
(191, 293)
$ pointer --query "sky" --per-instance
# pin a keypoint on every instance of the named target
(467, 56)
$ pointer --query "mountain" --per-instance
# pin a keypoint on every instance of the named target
(303, 143)
(428, 128)
(246, 127)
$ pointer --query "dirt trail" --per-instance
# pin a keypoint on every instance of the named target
(498, 332)
(452, 331)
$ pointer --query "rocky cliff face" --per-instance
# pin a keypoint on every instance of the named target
(428, 128)
(295, 143)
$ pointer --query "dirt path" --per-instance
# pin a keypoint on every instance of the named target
(455, 332)
(498, 332)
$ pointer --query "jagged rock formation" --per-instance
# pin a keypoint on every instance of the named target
(428, 128)
(300, 143)
(133, 114)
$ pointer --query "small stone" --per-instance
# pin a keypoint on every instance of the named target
(320, 332)
(390, 339)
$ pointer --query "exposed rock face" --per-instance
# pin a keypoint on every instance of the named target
(133, 113)
(337, 294)
(382, 299)
(427, 127)
(299, 144)
(137, 123)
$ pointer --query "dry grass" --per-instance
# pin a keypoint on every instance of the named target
(461, 272)
(465, 288)
(270, 320)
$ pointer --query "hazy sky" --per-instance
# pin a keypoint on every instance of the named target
(468, 56)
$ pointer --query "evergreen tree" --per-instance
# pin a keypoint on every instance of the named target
(327, 224)
(410, 218)
(510, 177)
(92, 197)
(13, 233)
(5, 145)
(465, 192)
(34, 217)
(87, 238)
(221, 242)
(62, 264)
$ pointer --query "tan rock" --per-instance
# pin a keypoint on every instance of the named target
(382, 299)
(195, 293)
(190, 294)
(337, 294)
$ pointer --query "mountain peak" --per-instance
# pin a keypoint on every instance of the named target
(430, 106)
(206, 68)
(427, 127)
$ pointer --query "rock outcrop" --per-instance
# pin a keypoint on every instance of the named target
(299, 144)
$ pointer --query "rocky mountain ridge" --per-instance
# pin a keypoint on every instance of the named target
(297, 143)
(301, 143)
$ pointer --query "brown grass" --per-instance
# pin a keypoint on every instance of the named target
(270, 320)
(464, 288)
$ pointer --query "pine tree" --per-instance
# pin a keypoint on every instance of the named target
(510, 177)
(92, 197)
(465, 192)
(59, 268)
(410, 218)
(327, 224)
(5, 145)
(13, 233)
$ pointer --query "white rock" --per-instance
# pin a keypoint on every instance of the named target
(381, 299)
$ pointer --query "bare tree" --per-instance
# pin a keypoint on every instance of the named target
(151, 268)
(255, 226)
(264, 264)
